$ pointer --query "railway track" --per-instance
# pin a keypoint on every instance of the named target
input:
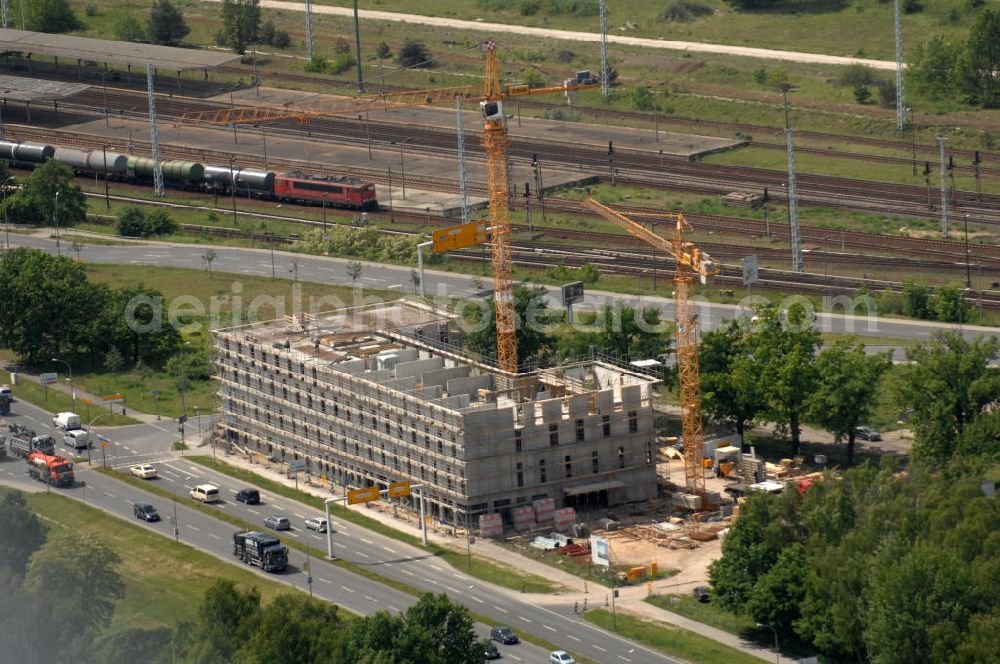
(640, 168)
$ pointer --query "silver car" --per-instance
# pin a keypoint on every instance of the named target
(316, 523)
(278, 522)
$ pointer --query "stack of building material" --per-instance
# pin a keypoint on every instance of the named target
(686, 501)
(524, 517)
(564, 519)
(751, 469)
(544, 509)
(544, 543)
(490, 525)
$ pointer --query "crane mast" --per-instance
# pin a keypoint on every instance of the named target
(689, 261)
(495, 144)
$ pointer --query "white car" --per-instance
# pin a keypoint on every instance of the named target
(144, 471)
(561, 657)
(316, 523)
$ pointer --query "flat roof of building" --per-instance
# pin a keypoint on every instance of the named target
(170, 58)
(35, 89)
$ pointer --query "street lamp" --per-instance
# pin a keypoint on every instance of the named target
(913, 140)
(777, 652)
(968, 268)
(55, 219)
(6, 224)
(72, 388)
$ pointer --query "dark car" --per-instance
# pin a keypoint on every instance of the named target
(701, 594)
(504, 635)
(490, 651)
(867, 433)
(146, 512)
(248, 496)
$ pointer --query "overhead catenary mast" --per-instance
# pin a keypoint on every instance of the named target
(153, 136)
(5, 10)
(463, 175)
(900, 96)
(605, 83)
(309, 29)
(944, 189)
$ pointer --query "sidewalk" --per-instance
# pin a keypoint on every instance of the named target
(577, 593)
(95, 401)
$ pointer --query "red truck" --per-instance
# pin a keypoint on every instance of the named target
(51, 469)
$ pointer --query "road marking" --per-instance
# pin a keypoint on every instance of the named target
(624, 658)
(460, 577)
(432, 581)
(347, 589)
(109, 495)
(300, 516)
(254, 511)
(392, 608)
(551, 629)
(194, 528)
(570, 636)
(389, 550)
(477, 599)
(513, 656)
(167, 472)
(342, 546)
(436, 568)
(127, 448)
(127, 501)
(362, 553)
(524, 619)
(367, 541)
(408, 572)
(500, 609)
(452, 589)
(600, 648)
(215, 536)
(326, 580)
(369, 598)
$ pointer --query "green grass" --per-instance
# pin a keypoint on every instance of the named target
(506, 576)
(673, 641)
(57, 402)
(164, 580)
(707, 613)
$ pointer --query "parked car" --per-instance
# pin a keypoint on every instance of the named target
(490, 651)
(316, 523)
(278, 522)
(146, 512)
(867, 433)
(248, 496)
(504, 635)
(206, 493)
(701, 594)
(143, 471)
(561, 657)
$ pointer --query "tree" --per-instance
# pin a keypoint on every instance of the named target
(21, 534)
(46, 303)
(133, 321)
(80, 596)
(982, 59)
(413, 54)
(754, 4)
(637, 334)
(778, 593)
(35, 202)
(131, 222)
(227, 617)
(787, 355)
(129, 27)
(293, 629)
(732, 392)
(210, 256)
(529, 307)
(946, 386)
(847, 382)
(933, 70)
(383, 50)
(76, 247)
(159, 222)
(113, 360)
(166, 24)
(240, 23)
(52, 16)
(950, 305)
(354, 270)
(415, 280)
(916, 300)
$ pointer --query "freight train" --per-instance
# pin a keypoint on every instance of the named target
(330, 191)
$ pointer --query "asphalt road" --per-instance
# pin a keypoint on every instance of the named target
(258, 262)
(558, 623)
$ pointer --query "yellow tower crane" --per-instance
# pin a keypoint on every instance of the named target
(689, 261)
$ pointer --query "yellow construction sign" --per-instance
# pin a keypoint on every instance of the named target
(362, 495)
(399, 489)
(459, 237)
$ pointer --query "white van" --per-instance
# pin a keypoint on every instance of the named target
(77, 439)
(206, 493)
(66, 421)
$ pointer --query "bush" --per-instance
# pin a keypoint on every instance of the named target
(317, 65)
(413, 54)
(342, 63)
(281, 39)
(855, 75)
(129, 27)
(683, 11)
(912, 7)
(91, 10)
(341, 46)
(862, 94)
(886, 92)
(134, 222)
(383, 50)
(642, 99)
(565, 56)
(530, 7)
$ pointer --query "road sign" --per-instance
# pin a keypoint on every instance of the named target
(296, 465)
(182, 419)
(104, 443)
(113, 397)
(47, 378)
(459, 237)
(399, 489)
(84, 401)
(155, 392)
(572, 293)
(362, 495)
(749, 270)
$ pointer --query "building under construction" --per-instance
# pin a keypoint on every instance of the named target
(372, 395)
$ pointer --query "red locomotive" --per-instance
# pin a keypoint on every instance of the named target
(319, 190)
